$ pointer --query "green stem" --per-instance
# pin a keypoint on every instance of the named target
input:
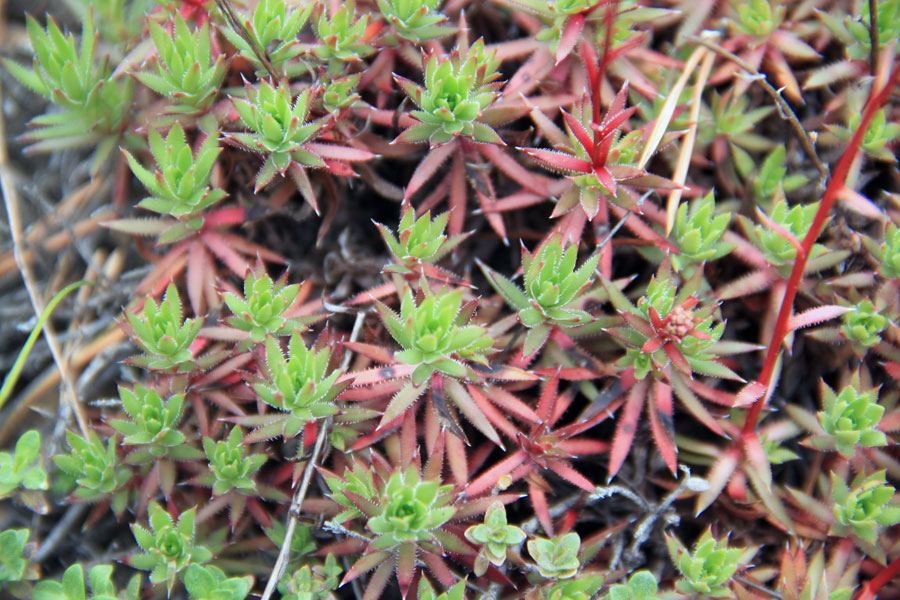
(13, 376)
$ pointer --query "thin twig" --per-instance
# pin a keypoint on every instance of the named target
(758, 587)
(785, 109)
(75, 512)
(687, 143)
(621, 222)
(873, 37)
(11, 200)
(225, 7)
(297, 502)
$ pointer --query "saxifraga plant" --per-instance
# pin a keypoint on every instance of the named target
(578, 127)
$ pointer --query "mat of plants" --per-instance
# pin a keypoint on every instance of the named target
(450, 299)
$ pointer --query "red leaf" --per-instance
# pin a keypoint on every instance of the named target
(406, 566)
(606, 179)
(569, 36)
(578, 448)
(547, 399)
(509, 403)
(429, 165)
(335, 152)
(718, 477)
(541, 508)
(379, 354)
(199, 265)
(677, 358)
(223, 250)
(494, 416)
(513, 170)
(815, 316)
(578, 130)
(568, 473)
(365, 564)
(490, 477)
(750, 393)
(626, 427)
(660, 414)
(559, 160)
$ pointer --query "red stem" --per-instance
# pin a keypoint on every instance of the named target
(884, 576)
(835, 185)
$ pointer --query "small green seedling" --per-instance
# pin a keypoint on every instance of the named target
(206, 582)
(186, 71)
(101, 585)
(23, 467)
(164, 334)
(865, 507)
(640, 586)
(168, 547)
(553, 285)
(495, 536)
(231, 467)
(707, 570)
(96, 469)
(556, 558)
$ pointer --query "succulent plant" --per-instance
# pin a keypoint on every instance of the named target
(96, 469)
(313, 583)
(23, 467)
(880, 135)
(101, 584)
(457, 89)
(758, 17)
(889, 253)
(260, 311)
(864, 507)
(434, 336)
(164, 334)
(231, 467)
(495, 536)
(273, 30)
(419, 241)
(581, 587)
(698, 232)
(206, 582)
(186, 70)
(667, 326)
(863, 325)
(708, 569)
(415, 20)
(405, 514)
(341, 93)
(552, 287)
(772, 181)
(640, 586)
(168, 546)
(851, 419)
(153, 423)
(426, 591)
(14, 565)
(179, 186)
(279, 130)
(853, 30)
(94, 103)
(597, 158)
(556, 558)
(301, 384)
(343, 37)
(409, 510)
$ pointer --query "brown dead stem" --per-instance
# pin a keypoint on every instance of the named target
(11, 200)
(784, 109)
